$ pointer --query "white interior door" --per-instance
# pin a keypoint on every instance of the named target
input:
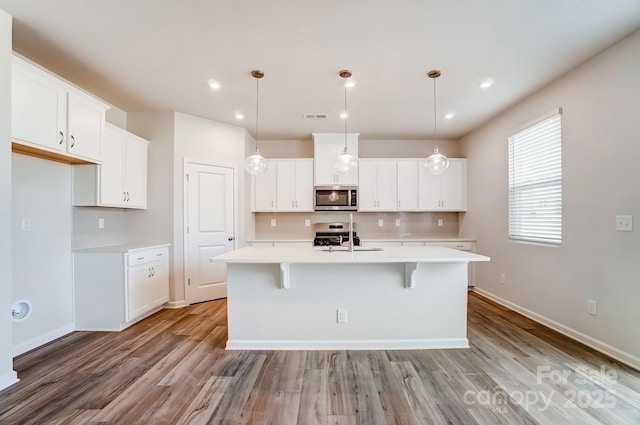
(210, 229)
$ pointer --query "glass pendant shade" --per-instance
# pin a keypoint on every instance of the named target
(255, 164)
(346, 163)
(436, 163)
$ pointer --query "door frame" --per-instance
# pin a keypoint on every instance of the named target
(185, 213)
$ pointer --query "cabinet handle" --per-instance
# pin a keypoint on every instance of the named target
(128, 196)
(398, 203)
(153, 271)
(231, 238)
(159, 255)
(124, 196)
(73, 141)
(149, 270)
(61, 138)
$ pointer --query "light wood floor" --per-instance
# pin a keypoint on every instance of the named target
(172, 369)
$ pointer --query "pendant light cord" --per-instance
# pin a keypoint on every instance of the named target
(435, 114)
(257, 108)
(346, 116)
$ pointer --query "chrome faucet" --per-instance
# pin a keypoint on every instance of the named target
(350, 232)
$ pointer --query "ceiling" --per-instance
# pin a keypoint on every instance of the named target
(160, 54)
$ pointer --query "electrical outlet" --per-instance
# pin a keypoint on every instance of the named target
(342, 315)
(380, 222)
(503, 279)
(26, 224)
(307, 222)
(397, 222)
(592, 307)
(440, 222)
(624, 223)
(273, 222)
(101, 223)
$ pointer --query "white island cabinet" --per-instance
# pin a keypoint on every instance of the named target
(51, 118)
(297, 298)
(115, 286)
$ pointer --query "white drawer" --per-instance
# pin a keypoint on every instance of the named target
(462, 246)
(147, 256)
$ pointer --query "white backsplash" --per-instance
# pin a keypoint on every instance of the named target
(411, 224)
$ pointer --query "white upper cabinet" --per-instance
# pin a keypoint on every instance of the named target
(121, 180)
(378, 189)
(49, 115)
(294, 185)
(446, 191)
(287, 185)
(264, 188)
(408, 184)
(327, 147)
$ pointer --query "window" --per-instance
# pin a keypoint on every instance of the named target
(535, 182)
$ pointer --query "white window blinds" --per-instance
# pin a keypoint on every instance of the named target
(535, 182)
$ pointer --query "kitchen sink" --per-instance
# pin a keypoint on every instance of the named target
(345, 249)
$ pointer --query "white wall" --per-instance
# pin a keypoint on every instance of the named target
(601, 149)
(155, 224)
(199, 139)
(42, 264)
(173, 138)
(7, 374)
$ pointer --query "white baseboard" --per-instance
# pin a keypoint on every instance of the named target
(42, 339)
(412, 344)
(8, 379)
(176, 304)
(603, 347)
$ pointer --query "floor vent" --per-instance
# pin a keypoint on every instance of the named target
(315, 116)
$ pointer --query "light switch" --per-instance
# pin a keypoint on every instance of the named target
(101, 223)
(397, 222)
(624, 223)
(26, 224)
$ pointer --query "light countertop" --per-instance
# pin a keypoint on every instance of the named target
(413, 254)
(124, 248)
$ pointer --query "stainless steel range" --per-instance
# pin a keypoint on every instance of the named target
(334, 234)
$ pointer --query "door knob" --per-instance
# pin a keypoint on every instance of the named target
(231, 238)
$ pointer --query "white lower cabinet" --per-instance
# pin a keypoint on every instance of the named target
(116, 286)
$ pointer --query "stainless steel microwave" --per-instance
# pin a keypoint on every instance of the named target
(335, 198)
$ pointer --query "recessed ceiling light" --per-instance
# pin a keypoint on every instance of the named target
(239, 115)
(486, 83)
(214, 84)
(449, 115)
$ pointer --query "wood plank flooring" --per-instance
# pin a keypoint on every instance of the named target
(172, 368)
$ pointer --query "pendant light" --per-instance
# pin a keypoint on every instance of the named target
(345, 163)
(436, 163)
(255, 163)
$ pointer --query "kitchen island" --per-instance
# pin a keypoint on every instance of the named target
(301, 298)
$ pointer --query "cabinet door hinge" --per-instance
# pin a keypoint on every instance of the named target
(187, 178)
